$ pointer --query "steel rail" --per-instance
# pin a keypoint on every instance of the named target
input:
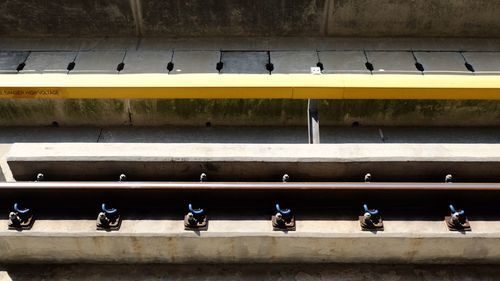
(263, 186)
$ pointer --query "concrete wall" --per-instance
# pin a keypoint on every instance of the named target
(29, 112)
(171, 18)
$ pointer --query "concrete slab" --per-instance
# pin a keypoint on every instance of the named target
(226, 162)
(484, 62)
(48, 62)
(392, 62)
(146, 62)
(9, 135)
(195, 62)
(293, 62)
(244, 62)
(350, 135)
(63, 18)
(442, 62)
(440, 135)
(249, 272)
(98, 61)
(251, 241)
(265, 18)
(10, 61)
(343, 62)
(190, 134)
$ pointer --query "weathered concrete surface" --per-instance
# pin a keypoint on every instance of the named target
(177, 18)
(250, 241)
(66, 18)
(245, 62)
(483, 62)
(309, 43)
(34, 112)
(442, 62)
(49, 62)
(237, 112)
(343, 62)
(147, 62)
(392, 62)
(257, 162)
(195, 62)
(253, 272)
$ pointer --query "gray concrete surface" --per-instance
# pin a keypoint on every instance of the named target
(98, 61)
(293, 62)
(195, 62)
(199, 55)
(343, 62)
(226, 162)
(248, 134)
(254, 272)
(442, 62)
(10, 61)
(250, 241)
(251, 43)
(48, 62)
(147, 62)
(245, 62)
(176, 18)
(483, 62)
(392, 62)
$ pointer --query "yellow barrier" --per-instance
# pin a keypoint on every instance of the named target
(249, 86)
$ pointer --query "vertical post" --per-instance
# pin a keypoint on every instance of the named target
(313, 121)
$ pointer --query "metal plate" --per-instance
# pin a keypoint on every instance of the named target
(392, 63)
(111, 227)
(195, 62)
(484, 62)
(9, 61)
(442, 62)
(48, 62)
(371, 227)
(245, 62)
(343, 62)
(452, 227)
(203, 225)
(289, 226)
(147, 62)
(293, 62)
(98, 61)
(22, 226)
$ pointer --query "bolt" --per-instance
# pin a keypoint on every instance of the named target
(103, 219)
(368, 177)
(279, 218)
(14, 218)
(122, 177)
(286, 178)
(448, 178)
(191, 219)
(203, 177)
(39, 177)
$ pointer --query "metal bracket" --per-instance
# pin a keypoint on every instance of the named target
(457, 221)
(195, 219)
(283, 219)
(108, 219)
(21, 219)
(371, 220)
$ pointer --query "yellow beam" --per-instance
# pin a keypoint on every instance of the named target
(226, 86)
